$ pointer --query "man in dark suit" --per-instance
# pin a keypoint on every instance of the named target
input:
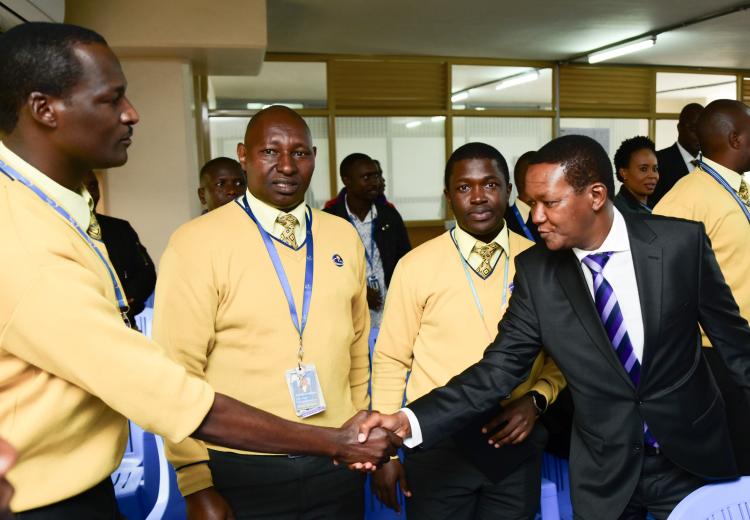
(131, 261)
(616, 301)
(379, 225)
(517, 215)
(679, 159)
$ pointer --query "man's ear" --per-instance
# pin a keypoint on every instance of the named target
(242, 156)
(43, 109)
(202, 195)
(598, 195)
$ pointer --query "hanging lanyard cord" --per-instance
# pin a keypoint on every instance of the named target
(281, 273)
(122, 303)
(718, 178)
(474, 293)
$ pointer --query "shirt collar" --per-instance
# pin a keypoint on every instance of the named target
(267, 215)
(733, 178)
(371, 215)
(686, 156)
(76, 204)
(466, 242)
(617, 239)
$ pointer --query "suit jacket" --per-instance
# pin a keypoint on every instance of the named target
(626, 201)
(514, 224)
(391, 237)
(134, 267)
(552, 306)
(671, 169)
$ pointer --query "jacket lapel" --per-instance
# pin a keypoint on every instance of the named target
(647, 261)
(574, 284)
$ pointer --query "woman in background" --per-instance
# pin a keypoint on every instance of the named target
(637, 169)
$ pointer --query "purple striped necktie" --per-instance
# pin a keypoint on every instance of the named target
(614, 324)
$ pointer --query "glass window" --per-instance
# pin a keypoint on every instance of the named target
(513, 136)
(675, 90)
(609, 132)
(226, 132)
(481, 88)
(411, 151)
(295, 84)
(666, 133)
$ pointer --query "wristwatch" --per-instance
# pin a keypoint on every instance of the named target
(540, 402)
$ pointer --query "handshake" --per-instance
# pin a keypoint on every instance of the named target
(369, 439)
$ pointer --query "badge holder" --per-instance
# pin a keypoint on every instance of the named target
(304, 388)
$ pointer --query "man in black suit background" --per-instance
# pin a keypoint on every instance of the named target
(129, 257)
(518, 214)
(679, 159)
(649, 424)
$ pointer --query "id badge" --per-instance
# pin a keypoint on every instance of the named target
(373, 283)
(304, 388)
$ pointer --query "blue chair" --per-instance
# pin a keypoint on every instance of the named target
(556, 470)
(145, 484)
(719, 501)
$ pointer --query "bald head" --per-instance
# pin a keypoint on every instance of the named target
(278, 156)
(686, 127)
(275, 113)
(723, 130)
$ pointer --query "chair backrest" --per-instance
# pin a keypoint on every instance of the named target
(718, 501)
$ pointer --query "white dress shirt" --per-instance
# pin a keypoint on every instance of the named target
(619, 272)
(686, 157)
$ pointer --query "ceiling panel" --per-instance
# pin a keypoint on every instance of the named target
(533, 29)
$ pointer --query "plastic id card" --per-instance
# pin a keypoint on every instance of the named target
(304, 388)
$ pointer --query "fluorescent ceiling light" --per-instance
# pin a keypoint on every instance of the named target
(621, 50)
(254, 106)
(479, 108)
(437, 119)
(455, 98)
(413, 124)
(518, 80)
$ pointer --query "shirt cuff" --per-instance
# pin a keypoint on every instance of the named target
(415, 439)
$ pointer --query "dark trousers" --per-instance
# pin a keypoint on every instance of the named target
(662, 486)
(737, 409)
(281, 487)
(98, 503)
(446, 485)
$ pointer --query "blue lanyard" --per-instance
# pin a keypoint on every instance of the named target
(467, 269)
(718, 178)
(369, 255)
(122, 303)
(524, 227)
(281, 274)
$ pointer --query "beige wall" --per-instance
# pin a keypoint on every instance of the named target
(156, 189)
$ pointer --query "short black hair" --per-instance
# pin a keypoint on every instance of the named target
(628, 148)
(218, 162)
(38, 57)
(584, 161)
(476, 151)
(350, 160)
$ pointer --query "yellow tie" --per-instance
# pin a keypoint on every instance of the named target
(486, 252)
(287, 235)
(743, 193)
(94, 231)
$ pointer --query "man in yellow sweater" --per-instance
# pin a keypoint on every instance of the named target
(70, 370)
(716, 194)
(445, 300)
(245, 302)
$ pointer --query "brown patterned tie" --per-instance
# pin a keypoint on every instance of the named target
(743, 192)
(287, 235)
(486, 252)
(94, 231)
